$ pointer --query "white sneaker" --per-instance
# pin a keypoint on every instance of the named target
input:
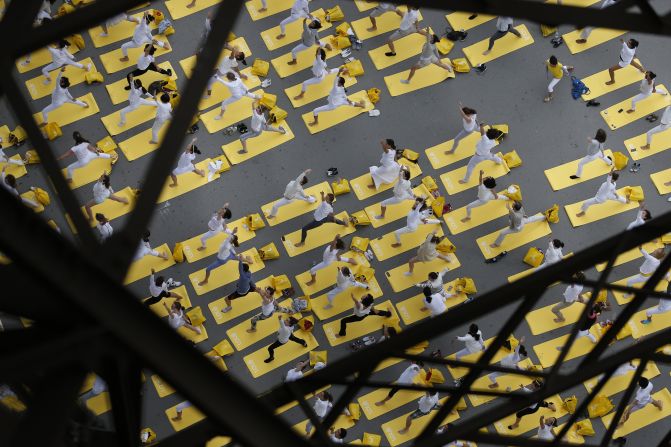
(172, 283)
(408, 273)
(312, 199)
(265, 83)
(669, 199)
(405, 81)
(103, 35)
(374, 112)
(218, 117)
(88, 67)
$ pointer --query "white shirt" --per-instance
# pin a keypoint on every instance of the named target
(258, 121)
(553, 254)
(502, 23)
(294, 188)
(105, 230)
(100, 193)
(545, 432)
(176, 319)
(135, 94)
(594, 147)
(81, 151)
(643, 394)
(646, 88)
(627, 54)
(142, 32)
(472, 345)
(300, 8)
(408, 376)
(216, 223)
(227, 64)
(185, 161)
(414, 219)
(437, 285)
(60, 55)
(333, 438)
(403, 189)
(511, 360)
(409, 19)
(426, 403)
(267, 308)
(323, 210)
(362, 311)
(236, 87)
(606, 190)
(319, 68)
(322, 407)
(484, 146)
(637, 222)
(163, 111)
(60, 94)
(485, 193)
(473, 125)
(343, 281)
(650, 264)
(284, 332)
(330, 255)
(337, 95)
(572, 292)
(144, 60)
(437, 305)
(292, 375)
(225, 249)
(154, 289)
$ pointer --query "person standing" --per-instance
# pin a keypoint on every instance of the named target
(482, 151)
(642, 398)
(145, 63)
(136, 98)
(486, 194)
(319, 70)
(642, 216)
(362, 309)
(163, 114)
(557, 70)
(553, 254)
(102, 190)
(344, 280)
(331, 255)
(545, 428)
(104, 227)
(269, 307)
(419, 214)
(586, 31)
(381, 8)
(664, 123)
(387, 172)
(504, 25)
(509, 361)
(237, 89)
(216, 225)
(337, 98)
(177, 317)
(627, 54)
(284, 334)
(159, 289)
(435, 283)
(594, 150)
(258, 126)
(473, 341)
(144, 249)
(185, 163)
(141, 35)
(85, 153)
(427, 252)
(607, 191)
(517, 219)
(571, 295)
(409, 24)
(293, 191)
(647, 88)
(469, 118)
(426, 404)
(228, 64)
(402, 192)
(323, 214)
(60, 57)
(226, 253)
(61, 95)
(299, 10)
(243, 287)
(650, 263)
(309, 38)
(428, 56)
(323, 404)
(407, 377)
(433, 302)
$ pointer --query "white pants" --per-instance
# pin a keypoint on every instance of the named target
(587, 334)
(311, 81)
(11, 161)
(184, 405)
(156, 127)
(208, 235)
(53, 66)
(583, 161)
(658, 309)
(406, 229)
(594, 200)
(134, 44)
(144, 252)
(337, 290)
(298, 48)
(463, 133)
(393, 201)
(232, 99)
(637, 279)
(551, 86)
(475, 204)
(637, 98)
(255, 133)
(586, 31)
(328, 107)
(323, 265)
(527, 220)
(55, 105)
(129, 108)
(654, 130)
(81, 163)
(284, 201)
(291, 19)
(476, 160)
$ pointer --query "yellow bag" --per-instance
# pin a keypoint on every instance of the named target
(17, 136)
(552, 214)
(364, 273)
(430, 183)
(548, 30)
(196, 316)
(665, 239)
(354, 411)
(410, 155)
(151, 435)
(223, 348)
(169, 31)
(334, 14)
(32, 157)
(107, 144)
(307, 323)
(355, 68)
(466, 285)
(53, 131)
(445, 246)
(268, 100)
(178, 252)
(445, 45)
(158, 16)
(78, 41)
(341, 42)
(318, 356)
(277, 115)
(601, 297)
(373, 95)
(585, 428)
(460, 65)
(42, 196)
(65, 9)
(393, 322)
(534, 257)
(620, 160)
(436, 376)
(260, 67)
(570, 404)
(231, 36)
(170, 84)
(372, 440)
(13, 403)
(342, 29)
(93, 76)
(635, 193)
(340, 187)
(437, 206)
(360, 218)
(281, 282)
(359, 243)
(269, 252)
(255, 222)
(512, 159)
(502, 128)
(600, 406)
(513, 192)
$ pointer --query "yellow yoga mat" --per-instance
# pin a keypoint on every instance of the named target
(389, 21)
(138, 145)
(178, 8)
(529, 233)
(159, 309)
(480, 215)
(507, 44)
(162, 388)
(226, 274)
(548, 351)
(466, 149)
(283, 355)
(391, 428)
(242, 339)
(137, 117)
(339, 115)
(631, 255)
(257, 145)
(39, 58)
(643, 417)
(187, 182)
(17, 171)
(360, 184)
(396, 211)
(623, 77)
(190, 415)
(297, 207)
(660, 142)
(559, 176)
(343, 421)
(190, 246)
(616, 116)
(659, 322)
(112, 63)
(382, 245)
(89, 173)
(274, 7)
(411, 311)
(304, 59)
(327, 277)
(189, 63)
(116, 33)
(461, 20)
(118, 93)
(424, 77)
(506, 380)
(659, 178)
(235, 112)
(598, 211)
(365, 5)
(220, 92)
(358, 329)
(99, 404)
(290, 405)
(30, 195)
(142, 267)
(240, 306)
(401, 398)
(38, 89)
(218, 441)
(88, 383)
(192, 336)
(315, 92)
(399, 281)
(542, 320)
(292, 33)
(343, 301)
(597, 37)
(451, 179)
(618, 384)
(622, 298)
(318, 237)
(110, 208)
(70, 113)
(406, 47)
(458, 372)
(530, 422)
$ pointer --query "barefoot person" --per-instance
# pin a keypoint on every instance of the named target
(409, 24)
(627, 54)
(607, 191)
(185, 163)
(504, 25)
(642, 398)
(337, 98)
(428, 56)
(258, 126)
(387, 172)
(331, 255)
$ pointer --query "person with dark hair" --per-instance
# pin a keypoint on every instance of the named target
(337, 435)
(226, 253)
(387, 172)
(136, 97)
(433, 302)
(627, 54)
(592, 318)
(418, 214)
(650, 263)
(177, 317)
(8, 181)
(185, 163)
(509, 361)
(557, 70)
(435, 283)
(323, 404)
(163, 114)
(300, 9)
(284, 334)
(664, 306)
(535, 385)
(553, 254)
(473, 341)
(402, 191)
(407, 377)
(85, 153)
(61, 95)
(409, 25)
(258, 125)
(443, 428)
(337, 98)
(159, 289)
(145, 63)
(504, 25)
(427, 252)
(331, 255)
(428, 56)
(642, 216)
(228, 64)
(545, 428)
(319, 71)
(243, 287)
(61, 57)
(594, 151)
(102, 190)
(104, 227)
(141, 35)
(647, 88)
(486, 193)
(482, 151)
(571, 295)
(607, 191)
(144, 249)
(517, 220)
(362, 309)
(237, 90)
(269, 306)
(216, 225)
(309, 38)
(323, 214)
(293, 191)
(469, 118)
(426, 404)
(642, 398)
(344, 280)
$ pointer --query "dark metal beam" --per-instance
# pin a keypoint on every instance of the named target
(629, 392)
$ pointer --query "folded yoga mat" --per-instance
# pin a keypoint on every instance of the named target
(315, 92)
(242, 339)
(389, 21)
(189, 63)
(492, 169)
(486, 213)
(235, 112)
(547, 352)
(616, 116)
(70, 113)
(225, 274)
(411, 311)
(542, 320)
(382, 246)
(190, 415)
(112, 63)
(505, 45)
(365, 5)
(391, 428)
(304, 59)
(159, 309)
(400, 399)
(110, 208)
(394, 212)
(466, 149)
(99, 404)
(530, 422)
(162, 388)
(38, 89)
(327, 277)
(17, 171)
(529, 233)
(257, 145)
(617, 384)
(220, 92)
(339, 115)
(187, 182)
(400, 281)
(179, 10)
(360, 184)
(631, 255)
(406, 48)
(274, 7)
(293, 31)
(659, 142)
(659, 323)
(643, 417)
(39, 58)
(119, 94)
(505, 381)
(358, 329)
(597, 37)
(242, 306)
(462, 20)
(190, 246)
(141, 268)
(138, 145)
(297, 207)
(286, 353)
(89, 173)
(317, 237)
(598, 211)
(424, 77)
(343, 301)
(116, 33)
(623, 298)
(137, 117)
(458, 372)
(559, 176)
(597, 86)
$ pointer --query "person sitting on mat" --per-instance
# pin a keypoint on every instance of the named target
(102, 190)
(504, 25)
(387, 172)
(627, 54)
(409, 24)
(85, 153)
(428, 56)
(607, 191)
(419, 214)
(427, 252)
(284, 334)
(362, 309)
(309, 38)
(185, 163)
(61, 95)
(517, 219)
(323, 214)
(337, 98)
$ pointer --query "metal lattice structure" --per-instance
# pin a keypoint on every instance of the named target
(116, 336)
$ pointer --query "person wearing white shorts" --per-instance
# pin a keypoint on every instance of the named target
(185, 163)
(409, 25)
(647, 88)
(428, 56)
(627, 54)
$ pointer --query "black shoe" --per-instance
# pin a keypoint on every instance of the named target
(480, 68)
(168, 72)
(592, 103)
(574, 177)
(269, 359)
(305, 344)
(127, 87)
(390, 54)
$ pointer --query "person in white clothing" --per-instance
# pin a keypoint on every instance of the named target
(504, 25)
(381, 8)
(60, 58)
(663, 307)
(293, 191)
(141, 35)
(486, 194)
(650, 263)
(387, 172)
(104, 227)
(344, 281)
(284, 334)
(85, 153)
(409, 24)
(482, 151)
(163, 115)
(216, 225)
(664, 124)
(296, 372)
(443, 428)
(433, 302)
(337, 98)
(5, 159)
(337, 435)
(258, 126)
(571, 295)
(102, 190)
(469, 118)
(228, 63)
(553, 254)
(607, 191)
(61, 95)
(435, 283)
(627, 54)
(428, 56)
(647, 88)
(225, 253)
(145, 63)
(402, 192)
(178, 318)
(545, 428)
(510, 361)
(517, 220)
(323, 214)
(473, 341)
(299, 10)
(427, 252)
(331, 255)
(642, 216)
(113, 21)
(185, 163)
(642, 398)
(594, 151)
(427, 403)
(269, 306)
(159, 289)
(323, 404)
(309, 38)
(363, 308)
(407, 377)
(136, 98)
(586, 31)
(43, 14)
(319, 71)
(237, 89)
(8, 181)
(144, 249)
(419, 214)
